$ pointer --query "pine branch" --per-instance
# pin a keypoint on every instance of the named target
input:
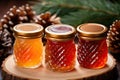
(75, 12)
(87, 8)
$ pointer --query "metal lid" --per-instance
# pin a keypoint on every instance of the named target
(60, 31)
(92, 30)
(28, 30)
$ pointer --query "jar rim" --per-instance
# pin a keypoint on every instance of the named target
(28, 30)
(51, 31)
(90, 32)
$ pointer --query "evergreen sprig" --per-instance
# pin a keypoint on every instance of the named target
(76, 12)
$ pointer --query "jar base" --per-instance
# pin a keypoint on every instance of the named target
(98, 67)
(60, 69)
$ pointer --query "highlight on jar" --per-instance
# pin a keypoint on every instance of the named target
(60, 50)
(28, 46)
(92, 51)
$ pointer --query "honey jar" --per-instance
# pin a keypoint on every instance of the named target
(28, 47)
(92, 47)
(60, 48)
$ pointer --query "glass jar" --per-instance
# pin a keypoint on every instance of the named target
(92, 47)
(28, 45)
(60, 48)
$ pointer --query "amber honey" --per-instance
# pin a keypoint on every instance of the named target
(92, 48)
(28, 46)
(60, 48)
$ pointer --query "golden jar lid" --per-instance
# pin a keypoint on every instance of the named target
(92, 30)
(60, 31)
(28, 30)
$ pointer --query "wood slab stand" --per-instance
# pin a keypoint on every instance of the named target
(12, 72)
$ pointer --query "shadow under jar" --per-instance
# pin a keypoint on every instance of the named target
(60, 51)
(28, 47)
(92, 47)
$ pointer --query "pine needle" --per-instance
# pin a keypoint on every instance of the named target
(76, 12)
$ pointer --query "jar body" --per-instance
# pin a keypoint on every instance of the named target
(28, 52)
(60, 55)
(92, 53)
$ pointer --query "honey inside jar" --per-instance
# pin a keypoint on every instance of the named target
(28, 45)
(92, 47)
(60, 48)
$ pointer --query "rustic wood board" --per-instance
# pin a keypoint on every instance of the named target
(42, 73)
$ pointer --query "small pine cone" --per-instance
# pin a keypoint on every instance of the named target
(46, 19)
(113, 37)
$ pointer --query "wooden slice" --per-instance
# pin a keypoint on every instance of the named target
(12, 72)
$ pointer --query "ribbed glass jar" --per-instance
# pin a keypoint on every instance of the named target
(28, 47)
(60, 48)
(92, 47)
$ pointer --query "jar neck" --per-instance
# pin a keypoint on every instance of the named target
(23, 38)
(60, 40)
(91, 38)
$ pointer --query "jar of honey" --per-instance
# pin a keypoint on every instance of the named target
(60, 48)
(92, 48)
(28, 47)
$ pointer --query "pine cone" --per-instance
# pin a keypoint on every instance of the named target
(113, 37)
(46, 19)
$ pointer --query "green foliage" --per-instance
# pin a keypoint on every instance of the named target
(76, 12)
